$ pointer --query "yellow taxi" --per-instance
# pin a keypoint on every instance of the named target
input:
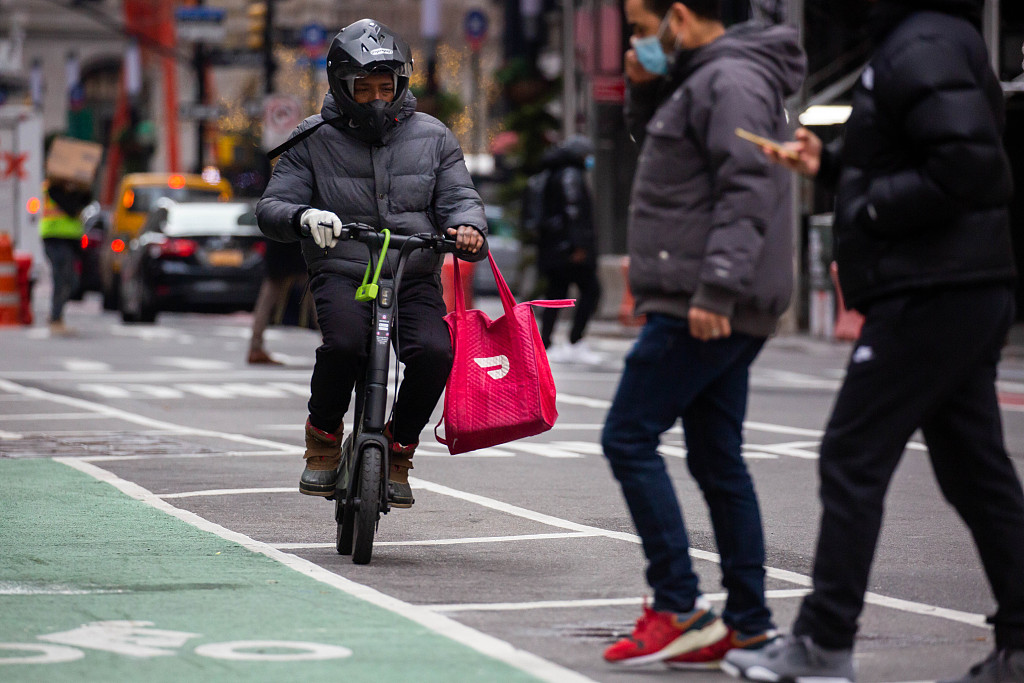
(137, 194)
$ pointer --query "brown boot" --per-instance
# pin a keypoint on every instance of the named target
(261, 357)
(399, 491)
(323, 455)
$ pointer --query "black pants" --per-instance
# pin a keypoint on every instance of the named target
(421, 338)
(584, 276)
(925, 360)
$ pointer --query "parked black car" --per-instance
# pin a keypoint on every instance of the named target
(201, 256)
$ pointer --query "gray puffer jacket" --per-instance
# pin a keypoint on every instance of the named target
(414, 182)
(709, 216)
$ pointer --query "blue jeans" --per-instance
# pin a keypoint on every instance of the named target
(670, 375)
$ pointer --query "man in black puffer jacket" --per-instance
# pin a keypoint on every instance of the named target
(369, 157)
(567, 246)
(922, 242)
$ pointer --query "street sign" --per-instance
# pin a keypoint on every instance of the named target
(204, 24)
(281, 113)
(235, 58)
(475, 25)
(314, 36)
(197, 111)
(610, 89)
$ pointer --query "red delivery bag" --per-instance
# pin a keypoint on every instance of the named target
(500, 388)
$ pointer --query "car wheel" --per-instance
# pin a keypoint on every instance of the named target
(111, 297)
(147, 311)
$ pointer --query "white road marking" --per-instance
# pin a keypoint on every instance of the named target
(781, 574)
(771, 377)
(386, 601)
(206, 390)
(81, 365)
(10, 436)
(289, 451)
(15, 588)
(794, 449)
(192, 363)
(481, 642)
(292, 388)
(158, 391)
(443, 541)
(50, 416)
(105, 390)
(100, 411)
(594, 602)
(438, 451)
(672, 451)
(542, 449)
(154, 332)
(227, 492)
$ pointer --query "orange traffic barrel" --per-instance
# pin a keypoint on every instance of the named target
(10, 301)
(23, 259)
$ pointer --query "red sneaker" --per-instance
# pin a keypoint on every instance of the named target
(710, 657)
(662, 635)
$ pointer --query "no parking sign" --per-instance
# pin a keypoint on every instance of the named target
(281, 113)
(475, 25)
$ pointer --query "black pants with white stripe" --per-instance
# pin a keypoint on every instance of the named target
(924, 360)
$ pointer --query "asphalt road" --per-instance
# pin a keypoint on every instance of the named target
(528, 543)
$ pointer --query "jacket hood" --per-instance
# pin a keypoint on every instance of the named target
(571, 152)
(970, 9)
(886, 15)
(775, 49)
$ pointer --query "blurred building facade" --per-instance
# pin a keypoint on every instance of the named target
(527, 74)
(79, 61)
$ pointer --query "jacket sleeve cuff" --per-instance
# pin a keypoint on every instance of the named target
(714, 299)
(297, 218)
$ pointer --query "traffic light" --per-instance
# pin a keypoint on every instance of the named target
(257, 25)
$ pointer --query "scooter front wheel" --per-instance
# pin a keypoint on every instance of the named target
(367, 511)
(344, 506)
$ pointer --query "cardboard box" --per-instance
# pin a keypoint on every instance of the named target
(73, 160)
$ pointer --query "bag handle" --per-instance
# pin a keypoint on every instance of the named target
(508, 301)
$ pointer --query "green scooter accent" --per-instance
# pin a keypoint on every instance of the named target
(368, 290)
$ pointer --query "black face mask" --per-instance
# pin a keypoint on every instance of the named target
(372, 122)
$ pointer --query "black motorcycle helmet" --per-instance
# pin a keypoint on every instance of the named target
(360, 49)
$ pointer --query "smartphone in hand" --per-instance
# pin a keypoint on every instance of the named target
(766, 142)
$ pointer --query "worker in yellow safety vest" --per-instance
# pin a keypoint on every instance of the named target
(61, 231)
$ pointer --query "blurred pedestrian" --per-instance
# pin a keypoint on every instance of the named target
(922, 241)
(285, 270)
(711, 267)
(61, 231)
(567, 246)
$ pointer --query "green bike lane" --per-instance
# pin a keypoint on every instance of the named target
(101, 580)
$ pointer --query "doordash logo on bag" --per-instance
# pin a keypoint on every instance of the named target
(494, 361)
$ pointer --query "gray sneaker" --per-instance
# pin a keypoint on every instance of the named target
(791, 659)
(1002, 666)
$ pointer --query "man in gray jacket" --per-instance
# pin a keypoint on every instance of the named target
(369, 157)
(710, 266)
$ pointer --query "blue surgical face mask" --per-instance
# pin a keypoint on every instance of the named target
(649, 52)
(588, 162)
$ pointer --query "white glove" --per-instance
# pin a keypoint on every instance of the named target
(323, 226)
